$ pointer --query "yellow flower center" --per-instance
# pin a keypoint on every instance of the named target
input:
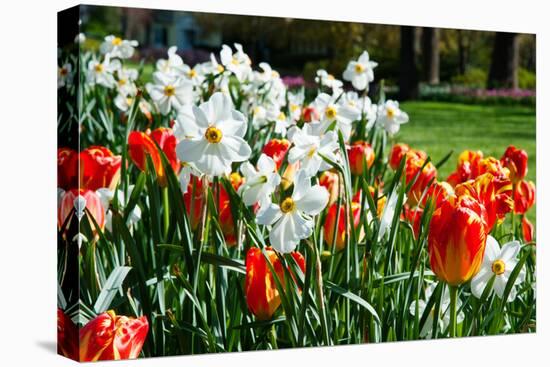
(311, 152)
(117, 41)
(390, 113)
(281, 116)
(129, 101)
(330, 112)
(98, 68)
(498, 267)
(359, 68)
(235, 61)
(287, 205)
(122, 82)
(294, 107)
(213, 135)
(330, 77)
(169, 90)
(192, 73)
(220, 68)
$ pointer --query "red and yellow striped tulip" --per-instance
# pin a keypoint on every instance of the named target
(528, 229)
(112, 337)
(438, 192)
(466, 168)
(141, 144)
(424, 173)
(456, 239)
(516, 161)
(524, 196)
(99, 168)
(357, 153)
(262, 296)
(494, 193)
(331, 181)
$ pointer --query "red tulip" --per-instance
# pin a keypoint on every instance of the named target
(262, 295)
(227, 223)
(194, 200)
(494, 193)
(140, 144)
(99, 168)
(493, 166)
(69, 201)
(456, 239)
(467, 167)
(277, 149)
(414, 217)
(516, 161)
(343, 227)
(67, 336)
(357, 153)
(438, 192)
(399, 150)
(528, 229)
(112, 337)
(67, 168)
(524, 196)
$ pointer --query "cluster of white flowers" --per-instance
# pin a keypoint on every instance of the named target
(211, 131)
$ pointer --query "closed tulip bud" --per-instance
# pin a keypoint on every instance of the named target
(99, 168)
(528, 229)
(524, 196)
(67, 336)
(358, 153)
(67, 168)
(493, 192)
(112, 337)
(262, 295)
(423, 174)
(414, 217)
(397, 153)
(456, 239)
(336, 232)
(331, 181)
(516, 161)
(76, 201)
(310, 114)
(277, 149)
(142, 144)
(227, 222)
(194, 200)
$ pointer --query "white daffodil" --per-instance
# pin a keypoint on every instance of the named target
(498, 262)
(212, 67)
(444, 316)
(295, 103)
(292, 220)
(238, 63)
(390, 117)
(125, 81)
(338, 113)
(364, 104)
(308, 149)
(169, 92)
(259, 117)
(212, 135)
(106, 196)
(259, 182)
(328, 80)
(266, 75)
(118, 47)
(361, 72)
(102, 72)
(282, 123)
(194, 75)
(171, 65)
(64, 75)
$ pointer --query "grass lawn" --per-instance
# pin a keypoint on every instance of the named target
(438, 128)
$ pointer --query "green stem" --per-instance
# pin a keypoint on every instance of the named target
(452, 327)
(166, 205)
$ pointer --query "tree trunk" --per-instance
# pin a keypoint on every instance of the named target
(504, 61)
(408, 73)
(430, 53)
(462, 52)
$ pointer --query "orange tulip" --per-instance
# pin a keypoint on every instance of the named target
(467, 167)
(112, 337)
(438, 192)
(494, 193)
(516, 161)
(99, 168)
(414, 217)
(227, 223)
(528, 229)
(140, 144)
(493, 166)
(343, 227)
(194, 200)
(67, 336)
(331, 181)
(358, 152)
(277, 149)
(456, 239)
(262, 295)
(399, 150)
(69, 202)
(67, 168)
(524, 196)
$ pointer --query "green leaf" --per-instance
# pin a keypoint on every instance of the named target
(110, 288)
(353, 297)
